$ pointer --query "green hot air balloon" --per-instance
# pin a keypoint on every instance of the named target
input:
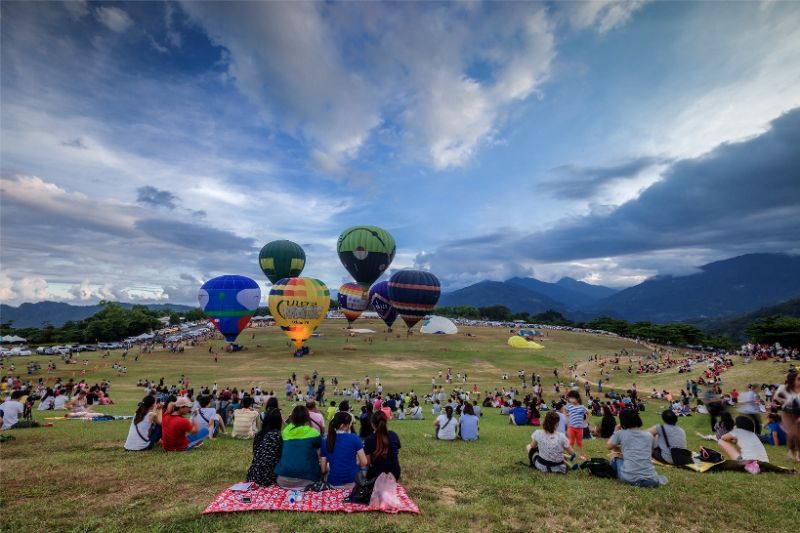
(366, 252)
(281, 259)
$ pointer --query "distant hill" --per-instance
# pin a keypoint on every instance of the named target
(733, 327)
(569, 292)
(729, 287)
(488, 293)
(30, 315)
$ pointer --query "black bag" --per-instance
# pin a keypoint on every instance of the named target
(680, 456)
(362, 492)
(600, 467)
(707, 455)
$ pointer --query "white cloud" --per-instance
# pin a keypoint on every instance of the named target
(603, 15)
(114, 18)
(77, 8)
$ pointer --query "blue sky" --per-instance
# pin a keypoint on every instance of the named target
(147, 146)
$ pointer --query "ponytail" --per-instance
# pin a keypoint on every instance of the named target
(144, 406)
(339, 419)
(378, 422)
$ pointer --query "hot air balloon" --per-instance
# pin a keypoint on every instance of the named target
(379, 300)
(413, 294)
(229, 301)
(298, 305)
(353, 299)
(281, 259)
(366, 252)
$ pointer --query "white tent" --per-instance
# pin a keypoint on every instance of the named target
(11, 339)
(438, 324)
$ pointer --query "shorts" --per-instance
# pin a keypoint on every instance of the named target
(575, 436)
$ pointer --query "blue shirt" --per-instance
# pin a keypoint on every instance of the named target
(342, 460)
(469, 427)
(775, 427)
(520, 416)
(576, 414)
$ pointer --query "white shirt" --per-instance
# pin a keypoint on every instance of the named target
(751, 448)
(12, 409)
(60, 402)
(47, 403)
(209, 412)
(447, 429)
(135, 442)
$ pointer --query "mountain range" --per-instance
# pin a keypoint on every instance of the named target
(32, 315)
(729, 287)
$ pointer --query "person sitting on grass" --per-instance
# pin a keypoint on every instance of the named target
(518, 415)
(775, 434)
(342, 453)
(245, 420)
(299, 463)
(547, 447)
(577, 415)
(208, 416)
(13, 409)
(382, 448)
(267, 447)
(634, 467)
(742, 444)
(445, 425)
(468, 423)
(145, 430)
(668, 432)
(177, 432)
(415, 411)
(607, 424)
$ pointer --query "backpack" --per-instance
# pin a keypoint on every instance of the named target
(707, 455)
(600, 467)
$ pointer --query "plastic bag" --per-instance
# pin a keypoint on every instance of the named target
(384, 494)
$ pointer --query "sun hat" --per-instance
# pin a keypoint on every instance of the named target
(183, 401)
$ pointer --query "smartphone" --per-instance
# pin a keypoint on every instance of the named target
(246, 499)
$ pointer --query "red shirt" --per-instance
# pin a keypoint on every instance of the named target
(173, 432)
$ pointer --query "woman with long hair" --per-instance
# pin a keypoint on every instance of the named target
(267, 445)
(145, 430)
(788, 397)
(445, 425)
(299, 463)
(468, 423)
(366, 428)
(382, 448)
(342, 452)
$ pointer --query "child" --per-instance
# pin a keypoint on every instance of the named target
(331, 410)
(742, 444)
(577, 421)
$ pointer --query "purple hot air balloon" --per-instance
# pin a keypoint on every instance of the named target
(379, 300)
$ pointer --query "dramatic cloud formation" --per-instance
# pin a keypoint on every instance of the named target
(147, 148)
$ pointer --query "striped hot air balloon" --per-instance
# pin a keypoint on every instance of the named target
(353, 299)
(413, 294)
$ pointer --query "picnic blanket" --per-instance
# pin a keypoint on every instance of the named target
(274, 498)
(728, 465)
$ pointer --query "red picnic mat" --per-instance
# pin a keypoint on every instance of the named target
(274, 498)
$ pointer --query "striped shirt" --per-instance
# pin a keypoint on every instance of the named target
(576, 415)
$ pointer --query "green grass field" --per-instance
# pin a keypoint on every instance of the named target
(75, 476)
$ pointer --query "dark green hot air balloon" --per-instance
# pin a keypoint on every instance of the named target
(281, 259)
(366, 252)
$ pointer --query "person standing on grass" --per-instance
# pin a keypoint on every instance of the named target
(788, 397)
(634, 467)
(547, 447)
(267, 447)
(177, 432)
(577, 415)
